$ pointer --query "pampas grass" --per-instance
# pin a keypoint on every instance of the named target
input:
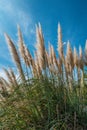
(53, 93)
(15, 56)
(60, 43)
(40, 47)
(13, 77)
(8, 76)
(75, 57)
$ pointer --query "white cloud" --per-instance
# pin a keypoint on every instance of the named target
(5, 6)
(12, 14)
(25, 22)
(17, 15)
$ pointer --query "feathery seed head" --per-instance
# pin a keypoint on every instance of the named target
(80, 52)
(40, 47)
(13, 77)
(54, 56)
(81, 61)
(60, 44)
(69, 55)
(59, 65)
(21, 43)
(8, 76)
(75, 57)
(67, 65)
(15, 55)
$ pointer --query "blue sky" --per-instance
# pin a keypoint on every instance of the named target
(72, 15)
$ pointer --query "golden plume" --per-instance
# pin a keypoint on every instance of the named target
(75, 57)
(40, 47)
(15, 56)
(60, 44)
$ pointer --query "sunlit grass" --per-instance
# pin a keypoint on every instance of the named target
(50, 94)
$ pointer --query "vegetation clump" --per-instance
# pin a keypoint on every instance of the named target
(51, 91)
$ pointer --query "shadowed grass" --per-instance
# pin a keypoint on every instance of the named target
(43, 105)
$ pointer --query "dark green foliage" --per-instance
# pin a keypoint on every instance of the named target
(44, 105)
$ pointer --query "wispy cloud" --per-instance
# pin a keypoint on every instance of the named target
(12, 11)
(12, 14)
